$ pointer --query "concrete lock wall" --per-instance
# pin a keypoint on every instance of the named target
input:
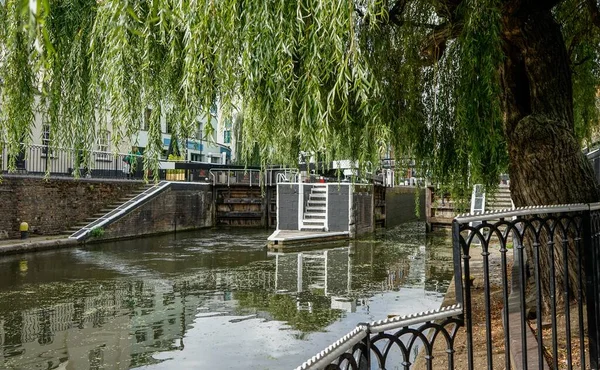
(50, 207)
(287, 198)
(401, 205)
(362, 210)
(183, 206)
(338, 207)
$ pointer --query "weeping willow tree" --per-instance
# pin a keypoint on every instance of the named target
(469, 88)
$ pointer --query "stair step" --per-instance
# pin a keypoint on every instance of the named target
(310, 215)
(315, 209)
(313, 223)
(312, 228)
(316, 201)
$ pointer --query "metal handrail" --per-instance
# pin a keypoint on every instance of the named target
(524, 211)
(120, 210)
(413, 319)
(364, 330)
(331, 353)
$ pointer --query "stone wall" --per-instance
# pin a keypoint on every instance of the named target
(183, 206)
(51, 207)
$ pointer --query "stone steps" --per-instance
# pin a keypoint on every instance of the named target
(109, 208)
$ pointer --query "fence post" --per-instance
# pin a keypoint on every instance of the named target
(457, 262)
(591, 281)
(367, 355)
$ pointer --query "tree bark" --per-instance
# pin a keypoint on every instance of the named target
(546, 163)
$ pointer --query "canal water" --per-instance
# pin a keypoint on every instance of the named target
(210, 299)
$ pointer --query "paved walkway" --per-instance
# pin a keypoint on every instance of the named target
(34, 244)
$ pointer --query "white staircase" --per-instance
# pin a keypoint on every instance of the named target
(315, 212)
(501, 200)
(482, 202)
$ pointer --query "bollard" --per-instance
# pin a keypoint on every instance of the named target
(24, 229)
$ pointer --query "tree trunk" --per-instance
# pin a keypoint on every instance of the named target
(546, 163)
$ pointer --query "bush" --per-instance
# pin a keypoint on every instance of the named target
(96, 232)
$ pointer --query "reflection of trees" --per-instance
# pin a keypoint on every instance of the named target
(284, 307)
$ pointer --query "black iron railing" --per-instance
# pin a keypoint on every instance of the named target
(391, 341)
(527, 288)
(39, 160)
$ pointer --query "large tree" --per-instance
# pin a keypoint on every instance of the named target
(470, 88)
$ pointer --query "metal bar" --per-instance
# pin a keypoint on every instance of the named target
(332, 352)
(567, 302)
(521, 259)
(538, 306)
(456, 255)
(553, 303)
(505, 311)
(468, 311)
(579, 245)
(488, 304)
(523, 211)
(591, 289)
(418, 318)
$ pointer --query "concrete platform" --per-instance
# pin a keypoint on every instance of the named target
(286, 240)
(35, 244)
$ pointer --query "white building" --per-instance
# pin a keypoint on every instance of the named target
(216, 149)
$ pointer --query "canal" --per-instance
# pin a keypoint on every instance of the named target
(210, 299)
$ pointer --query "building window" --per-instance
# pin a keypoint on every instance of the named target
(227, 137)
(146, 119)
(215, 159)
(195, 157)
(200, 132)
(103, 144)
(46, 140)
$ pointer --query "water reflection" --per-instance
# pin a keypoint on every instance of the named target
(141, 302)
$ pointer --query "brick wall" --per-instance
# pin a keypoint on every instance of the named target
(183, 206)
(51, 207)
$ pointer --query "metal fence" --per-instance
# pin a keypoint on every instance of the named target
(527, 288)
(251, 177)
(38, 160)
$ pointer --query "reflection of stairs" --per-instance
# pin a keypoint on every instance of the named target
(315, 213)
(314, 266)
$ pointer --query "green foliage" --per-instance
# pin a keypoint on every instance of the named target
(342, 78)
(96, 232)
(583, 45)
(284, 308)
